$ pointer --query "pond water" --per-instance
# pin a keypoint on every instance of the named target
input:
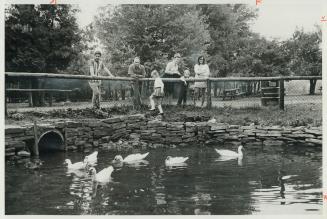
(206, 185)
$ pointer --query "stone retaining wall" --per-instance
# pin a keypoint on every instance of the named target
(142, 132)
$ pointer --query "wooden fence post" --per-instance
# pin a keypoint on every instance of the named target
(35, 146)
(30, 96)
(209, 103)
(281, 94)
(137, 96)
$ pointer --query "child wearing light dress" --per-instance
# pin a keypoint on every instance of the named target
(158, 92)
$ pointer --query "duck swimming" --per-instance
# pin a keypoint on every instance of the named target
(92, 158)
(229, 153)
(170, 161)
(77, 165)
(103, 176)
(131, 158)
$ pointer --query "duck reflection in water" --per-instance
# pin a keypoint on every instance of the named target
(239, 159)
(282, 187)
(282, 178)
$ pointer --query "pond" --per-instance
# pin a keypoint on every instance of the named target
(206, 185)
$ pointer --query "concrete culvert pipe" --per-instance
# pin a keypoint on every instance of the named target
(51, 140)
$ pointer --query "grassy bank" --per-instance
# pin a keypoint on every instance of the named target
(293, 115)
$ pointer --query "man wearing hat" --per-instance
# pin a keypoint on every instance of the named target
(97, 68)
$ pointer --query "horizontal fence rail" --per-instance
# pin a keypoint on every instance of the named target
(88, 77)
(37, 90)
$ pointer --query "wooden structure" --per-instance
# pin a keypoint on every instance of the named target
(276, 93)
(270, 93)
(50, 91)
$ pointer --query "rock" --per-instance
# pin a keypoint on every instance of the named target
(299, 136)
(95, 143)
(11, 129)
(314, 141)
(23, 160)
(111, 120)
(233, 127)
(23, 154)
(230, 138)
(286, 139)
(314, 132)
(71, 148)
(220, 127)
(273, 143)
(268, 134)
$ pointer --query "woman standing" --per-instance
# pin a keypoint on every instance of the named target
(201, 71)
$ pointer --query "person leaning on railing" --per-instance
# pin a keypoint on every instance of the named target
(136, 71)
(172, 71)
(97, 68)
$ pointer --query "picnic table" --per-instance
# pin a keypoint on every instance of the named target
(50, 91)
(231, 93)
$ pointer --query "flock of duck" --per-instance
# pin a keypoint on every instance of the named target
(104, 175)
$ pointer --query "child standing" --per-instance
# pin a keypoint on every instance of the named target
(158, 93)
(184, 87)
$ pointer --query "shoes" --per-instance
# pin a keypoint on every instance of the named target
(152, 110)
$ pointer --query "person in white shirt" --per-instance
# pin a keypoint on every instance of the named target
(172, 71)
(97, 68)
(158, 92)
(201, 71)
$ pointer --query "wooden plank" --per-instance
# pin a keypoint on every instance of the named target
(87, 77)
(37, 90)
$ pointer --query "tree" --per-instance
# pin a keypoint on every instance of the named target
(151, 31)
(306, 55)
(228, 26)
(40, 38)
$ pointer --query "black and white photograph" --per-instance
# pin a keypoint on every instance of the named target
(195, 108)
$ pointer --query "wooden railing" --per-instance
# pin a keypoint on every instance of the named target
(280, 79)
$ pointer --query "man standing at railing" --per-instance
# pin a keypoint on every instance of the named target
(172, 71)
(136, 71)
(97, 68)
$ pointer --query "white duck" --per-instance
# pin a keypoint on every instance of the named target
(76, 166)
(130, 158)
(92, 158)
(170, 161)
(229, 153)
(103, 176)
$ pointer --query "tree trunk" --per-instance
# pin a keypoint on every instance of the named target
(312, 86)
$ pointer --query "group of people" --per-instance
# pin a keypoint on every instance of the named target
(160, 89)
